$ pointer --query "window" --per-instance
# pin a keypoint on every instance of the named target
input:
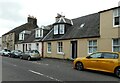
(36, 34)
(55, 29)
(116, 17)
(116, 45)
(49, 47)
(82, 25)
(61, 31)
(96, 55)
(92, 46)
(110, 55)
(39, 33)
(60, 47)
(21, 36)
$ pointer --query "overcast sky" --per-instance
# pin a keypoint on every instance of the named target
(14, 13)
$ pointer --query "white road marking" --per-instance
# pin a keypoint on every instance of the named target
(45, 75)
(40, 63)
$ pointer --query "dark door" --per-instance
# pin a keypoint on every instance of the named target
(74, 49)
(23, 47)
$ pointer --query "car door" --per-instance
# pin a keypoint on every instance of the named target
(26, 54)
(92, 61)
(108, 62)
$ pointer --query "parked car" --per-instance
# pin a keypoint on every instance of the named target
(5, 52)
(15, 53)
(32, 54)
(100, 61)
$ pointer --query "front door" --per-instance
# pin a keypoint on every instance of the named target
(23, 47)
(74, 49)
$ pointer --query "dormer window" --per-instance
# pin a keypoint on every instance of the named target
(59, 29)
(38, 33)
(21, 36)
(55, 29)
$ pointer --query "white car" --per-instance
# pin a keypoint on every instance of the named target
(5, 52)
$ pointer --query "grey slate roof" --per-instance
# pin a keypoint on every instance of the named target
(91, 25)
(31, 37)
(17, 30)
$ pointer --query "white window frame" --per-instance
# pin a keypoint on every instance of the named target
(55, 29)
(60, 47)
(41, 32)
(49, 51)
(115, 45)
(38, 33)
(62, 29)
(116, 10)
(21, 36)
(92, 46)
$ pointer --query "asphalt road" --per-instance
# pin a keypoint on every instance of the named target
(14, 69)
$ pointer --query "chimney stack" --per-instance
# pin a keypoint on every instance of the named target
(32, 20)
(119, 3)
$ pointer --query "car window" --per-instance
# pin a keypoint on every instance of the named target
(96, 55)
(18, 51)
(34, 51)
(12, 51)
(8, 50)
(110, 55)
(26, 52)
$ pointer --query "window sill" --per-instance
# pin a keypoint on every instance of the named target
(60, 53)
(49, 52)
(115, 26)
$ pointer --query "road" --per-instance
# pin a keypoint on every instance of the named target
(14, 69)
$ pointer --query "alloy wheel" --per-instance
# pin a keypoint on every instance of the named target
(29, 58)
(79, 66)
(21, 57)
(117, 72)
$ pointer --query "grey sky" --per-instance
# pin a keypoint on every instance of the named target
(14, 13)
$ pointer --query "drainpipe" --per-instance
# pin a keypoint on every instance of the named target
(42, 49)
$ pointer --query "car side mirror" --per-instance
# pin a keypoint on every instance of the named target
(88, 57)
(101, 57)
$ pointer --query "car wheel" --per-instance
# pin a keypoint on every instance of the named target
(117, 72)
(3, 54)
(21, 57)
(9, 55)
(79, 66)
(29, 58)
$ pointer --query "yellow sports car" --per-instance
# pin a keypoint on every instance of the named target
(100, 61)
